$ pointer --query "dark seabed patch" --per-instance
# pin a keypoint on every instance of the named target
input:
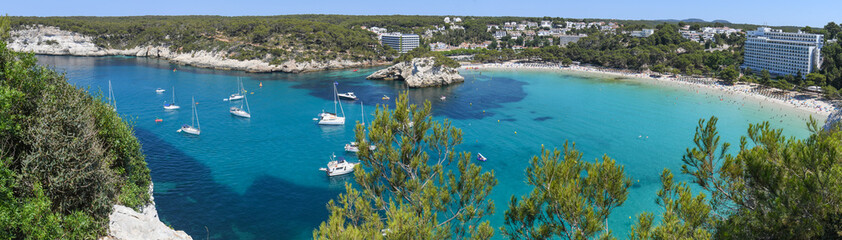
(472, 99)
(508, 120)
(271, 208)
(370, 92)
(541, 119)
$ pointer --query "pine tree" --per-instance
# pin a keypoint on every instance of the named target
(570, 198)
(407, 187)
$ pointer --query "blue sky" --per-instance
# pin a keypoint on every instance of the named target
(771, 12)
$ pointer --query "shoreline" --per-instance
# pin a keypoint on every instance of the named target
(50, 40)
(812, 106)
(248, 66)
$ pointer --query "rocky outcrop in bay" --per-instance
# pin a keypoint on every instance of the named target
(51, 40)
(420, 72)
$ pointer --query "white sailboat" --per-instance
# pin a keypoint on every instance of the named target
(353, 146)
(326, 118)
(160, 90)
(111, 101)
(239, 111)
(189, 129)
(171, 106)
(240, 92)
(338, 166)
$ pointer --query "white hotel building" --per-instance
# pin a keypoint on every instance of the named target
(783, 53)
(400, 42)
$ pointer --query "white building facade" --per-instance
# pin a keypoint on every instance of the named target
(400, 42)
(783, 53)
(643, 33)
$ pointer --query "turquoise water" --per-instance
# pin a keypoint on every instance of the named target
(258, 178)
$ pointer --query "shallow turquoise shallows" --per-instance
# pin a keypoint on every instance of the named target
(258, 178)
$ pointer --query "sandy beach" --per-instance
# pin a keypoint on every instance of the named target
(803, 103)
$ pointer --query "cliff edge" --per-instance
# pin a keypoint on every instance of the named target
(125, 223)
(420, 72)
(50, 40)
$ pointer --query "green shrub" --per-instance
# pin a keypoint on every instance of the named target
(67, 157)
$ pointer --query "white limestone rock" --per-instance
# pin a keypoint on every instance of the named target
(420, 72)
(51, 40)
(833, 120)
(125, 223)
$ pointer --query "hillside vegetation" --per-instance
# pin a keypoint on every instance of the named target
(65, 156)
(275, 39)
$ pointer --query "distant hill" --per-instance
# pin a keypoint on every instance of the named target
(695, 20)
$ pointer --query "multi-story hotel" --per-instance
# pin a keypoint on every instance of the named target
(783, 53)
(400, 42)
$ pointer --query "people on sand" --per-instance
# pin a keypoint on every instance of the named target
(697, 83)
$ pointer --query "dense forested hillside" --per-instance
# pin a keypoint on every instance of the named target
(65, 156)
(276, 38)
(304, 38)
(284, 38)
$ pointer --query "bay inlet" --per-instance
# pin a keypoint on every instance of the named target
(258, 178)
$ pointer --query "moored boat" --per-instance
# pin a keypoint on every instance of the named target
(481, 157)
(240, 111)
(354, 147)
(111, 101)
(239, 93)
(326, 118)
(348, 95)
(338, 166)
(189, 129)
(171, 106)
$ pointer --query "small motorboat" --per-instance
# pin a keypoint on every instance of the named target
(160, 90)
(157, 120)
(338, 166)
(354, 147)
(354, 70)
(348, 95)
(385, 97)
(481, 157)
(443, 98)
(170, 106)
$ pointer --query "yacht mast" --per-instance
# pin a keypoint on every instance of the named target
(196, 112)
(335, 97)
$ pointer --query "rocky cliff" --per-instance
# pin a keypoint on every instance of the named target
(833, 120)
(420, 72)
(125, 223)
(54, 41)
